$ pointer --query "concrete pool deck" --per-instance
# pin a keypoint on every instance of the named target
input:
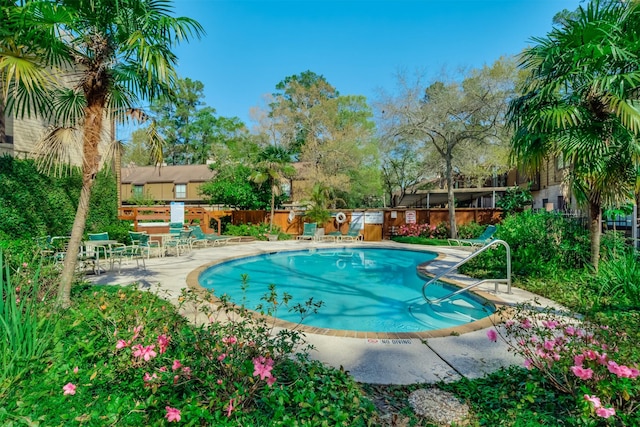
(368, 357)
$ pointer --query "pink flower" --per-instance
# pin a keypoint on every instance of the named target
(145, 352)
(578, 359)
(594, 400)
(230, 340)
(492, 335)
(605, 412)
(528, 363)
(270, 381)
(176, 365)
(75, 370)
(222, 357)
(69, 388)
(526, 324)
(187, 371)
(163, 343)
(172, 415)
(621, 371)
(147, 378)
(582, 373)
(121, 344)
(24, 265)
(219, 382)
(549, 324)
(591, 355)
(136, 332)
(262, 366)
(549, 344)
(230, 407)
(570, 330)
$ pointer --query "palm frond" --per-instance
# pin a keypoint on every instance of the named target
(58, 149)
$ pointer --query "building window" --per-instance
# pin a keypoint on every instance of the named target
(181, 191)
(561, 163)
(137, 191)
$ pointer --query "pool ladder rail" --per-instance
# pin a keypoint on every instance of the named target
(473, 285)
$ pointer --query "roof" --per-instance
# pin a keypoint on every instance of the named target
(178, 174)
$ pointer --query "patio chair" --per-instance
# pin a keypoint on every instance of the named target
(481, 240)
(175, 227)
(352, 234)
(309, 231)
(141, 239)
(181, 242)
(131, 252)
(199, 237)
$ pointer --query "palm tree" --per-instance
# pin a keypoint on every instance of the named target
(274, 165)
(112, 55)
(580, 101)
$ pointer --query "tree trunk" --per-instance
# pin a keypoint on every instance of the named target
(77, 232)
(595, 230)
(273, 208)
(90, 164)
(3, 135)
(451, 201)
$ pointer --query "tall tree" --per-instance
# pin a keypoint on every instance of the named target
(112, 55)
(453, 118)
(580, 102)
(331, 134)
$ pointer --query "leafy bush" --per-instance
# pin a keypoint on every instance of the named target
(259, 231)
(578, 358)
(126, 357)
(618, 281)
(33, 204)
(541, 243)
(470, 230)
(416, 230)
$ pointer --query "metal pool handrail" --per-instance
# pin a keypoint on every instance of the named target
(466, 288)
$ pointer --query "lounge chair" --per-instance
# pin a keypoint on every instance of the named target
(199, 237)
(352, 234)
(483, 239)
(309, 231)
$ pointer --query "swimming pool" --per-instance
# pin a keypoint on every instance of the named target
(363, 289)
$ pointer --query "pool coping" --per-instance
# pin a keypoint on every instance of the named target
(492, 319)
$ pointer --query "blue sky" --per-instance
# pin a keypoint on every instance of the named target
(357, 45)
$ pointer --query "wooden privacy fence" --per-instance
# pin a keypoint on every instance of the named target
(378, 224)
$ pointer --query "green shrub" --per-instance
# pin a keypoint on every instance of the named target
(259, 231)
(126, 357)
(577, 358)
(33, 204)
(540, 242)
(470, 230)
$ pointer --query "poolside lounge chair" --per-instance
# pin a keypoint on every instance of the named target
(309, 231)
(352, 234)
(199, 237)
(483, 239)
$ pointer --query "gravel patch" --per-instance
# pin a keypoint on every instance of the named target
(438, 406)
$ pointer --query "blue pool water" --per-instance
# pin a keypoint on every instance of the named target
(363, 289)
